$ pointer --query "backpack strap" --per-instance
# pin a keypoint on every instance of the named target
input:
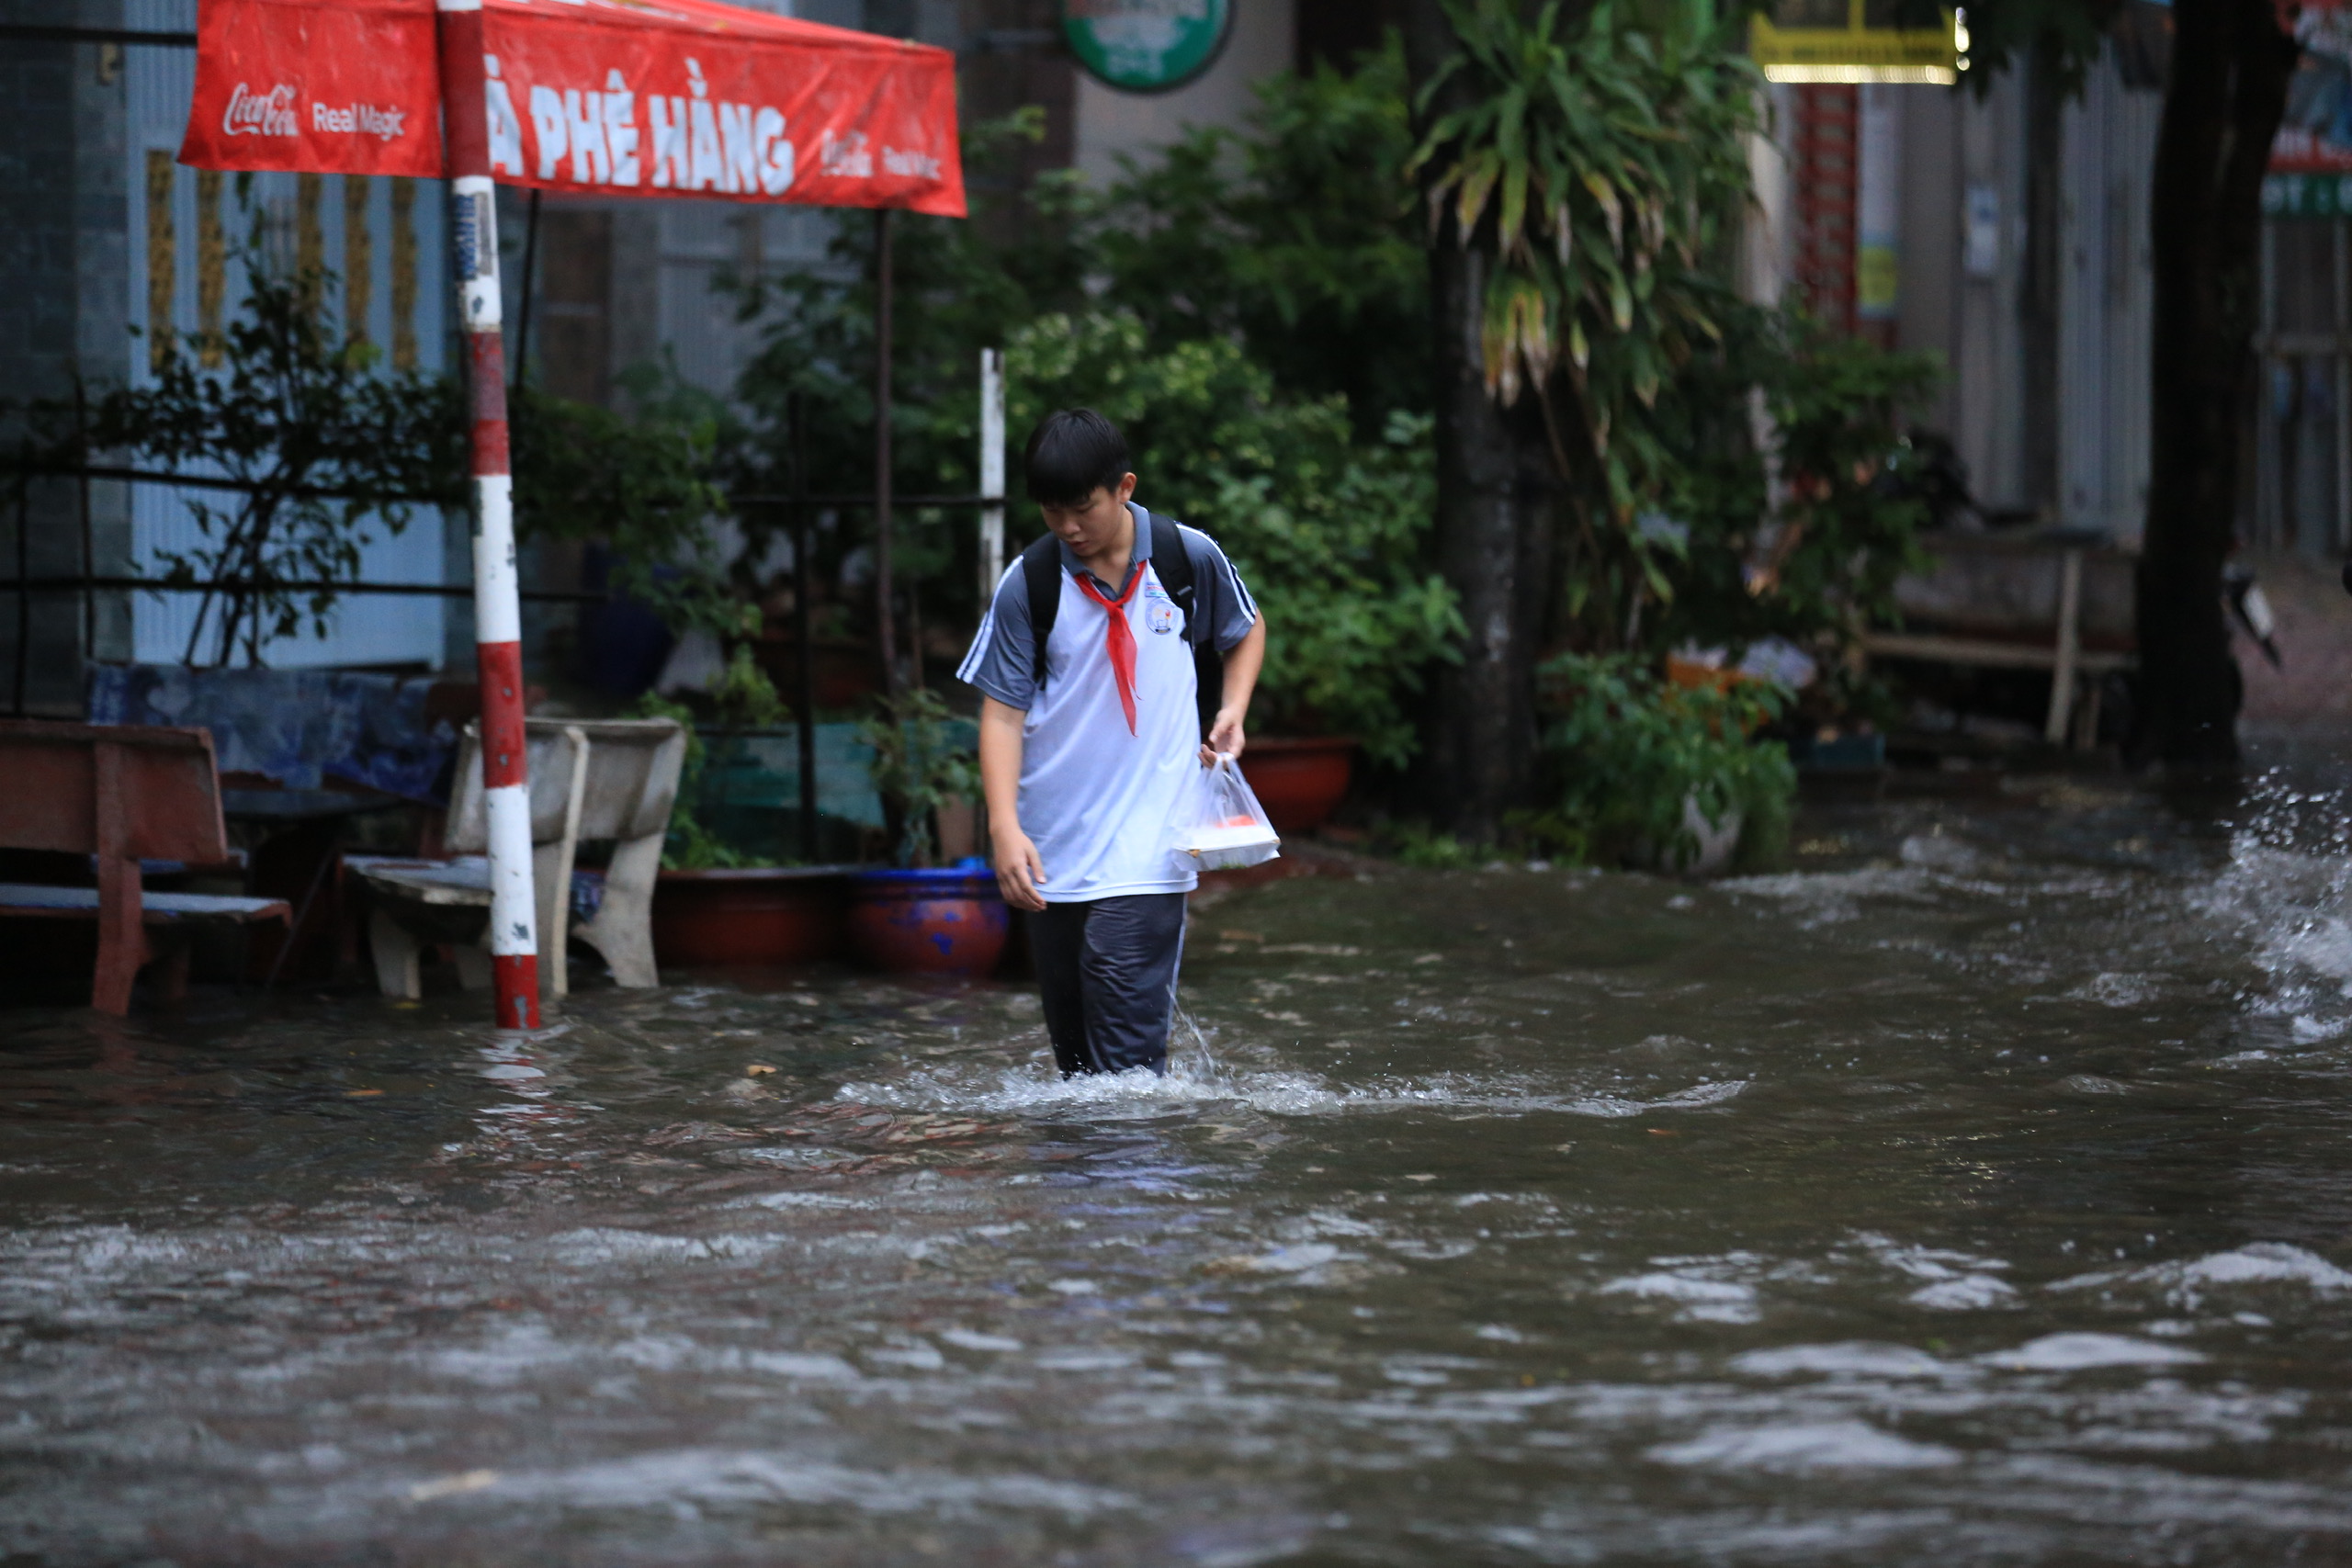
(1173, 564)
(1041, 573)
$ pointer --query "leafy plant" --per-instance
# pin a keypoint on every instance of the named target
(644, 485)
(1331, 537)
(1819, 566)
(744, 697)
(1628, 751)
(326, 447)
(1414, 844)
(691, 845)
(1595, 161)
(916, 769)
(1289, 237)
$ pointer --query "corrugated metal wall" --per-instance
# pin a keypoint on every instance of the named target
(2297, 496)
(2105, 301)
(1982, 180)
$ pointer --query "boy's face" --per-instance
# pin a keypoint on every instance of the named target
(1096, 524)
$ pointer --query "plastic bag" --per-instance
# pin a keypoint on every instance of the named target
(1219, 823)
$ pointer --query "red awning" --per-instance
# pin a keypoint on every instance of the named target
(662, 97)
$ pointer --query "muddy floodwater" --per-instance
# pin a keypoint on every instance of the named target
(1979, 1192)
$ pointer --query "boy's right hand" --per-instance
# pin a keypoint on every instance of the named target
(1019, 872)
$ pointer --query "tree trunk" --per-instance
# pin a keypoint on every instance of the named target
(1493, 534)
(2038, 317)
(2230, 67)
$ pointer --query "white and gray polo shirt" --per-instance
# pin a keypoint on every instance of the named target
(1094, 799)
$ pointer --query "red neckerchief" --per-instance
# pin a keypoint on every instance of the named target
(1119, 638)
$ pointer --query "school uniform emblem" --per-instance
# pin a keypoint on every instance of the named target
(1158, 613)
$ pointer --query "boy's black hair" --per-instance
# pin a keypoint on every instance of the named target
(1071, 452)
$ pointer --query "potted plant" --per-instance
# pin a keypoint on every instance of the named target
(1300, 779)
(1649, 774)
(713, 904)
(914, 916)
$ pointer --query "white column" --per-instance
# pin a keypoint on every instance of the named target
(992, 471)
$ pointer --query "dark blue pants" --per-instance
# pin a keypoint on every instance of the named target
(1107, 971)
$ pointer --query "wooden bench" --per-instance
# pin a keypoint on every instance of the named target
(124, 794)
(1976, 574)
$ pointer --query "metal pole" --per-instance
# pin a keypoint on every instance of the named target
(498, 615)
(71, 582)
(887, 627)
(991, 472)
(24, 594)
(29, 34)
(2343, 388)
(914, 627)
(802, 559)
(2269, 512)
(530, 277)
(89, 556)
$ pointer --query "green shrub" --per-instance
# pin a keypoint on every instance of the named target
(1628, 750)
(744, 698)
(642, 485)
(1820, 568)
(1290, 237)
(1414, 844)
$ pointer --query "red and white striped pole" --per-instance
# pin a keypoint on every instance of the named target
(498, 615)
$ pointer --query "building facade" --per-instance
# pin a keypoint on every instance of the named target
(120, 256)
(2005, 231)
(2016, 250)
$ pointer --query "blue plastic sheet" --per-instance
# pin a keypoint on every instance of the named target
(300, 727)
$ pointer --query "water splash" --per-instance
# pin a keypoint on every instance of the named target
(2287, 892)
(1188, 1032)
(1196, 1079)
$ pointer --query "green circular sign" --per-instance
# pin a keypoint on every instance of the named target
(1146, 46)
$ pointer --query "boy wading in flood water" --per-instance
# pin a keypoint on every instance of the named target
(1113, 644)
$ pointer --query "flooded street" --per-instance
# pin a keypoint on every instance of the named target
(1979, 1192)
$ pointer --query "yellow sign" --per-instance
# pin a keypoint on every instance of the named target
(1876, 275)
(1855, 40)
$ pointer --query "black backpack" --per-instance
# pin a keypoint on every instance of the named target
(1041, 570)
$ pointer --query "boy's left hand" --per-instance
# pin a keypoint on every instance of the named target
(1226, 737)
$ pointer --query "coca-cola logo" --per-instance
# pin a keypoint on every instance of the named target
(260, 114)
(845, 157)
